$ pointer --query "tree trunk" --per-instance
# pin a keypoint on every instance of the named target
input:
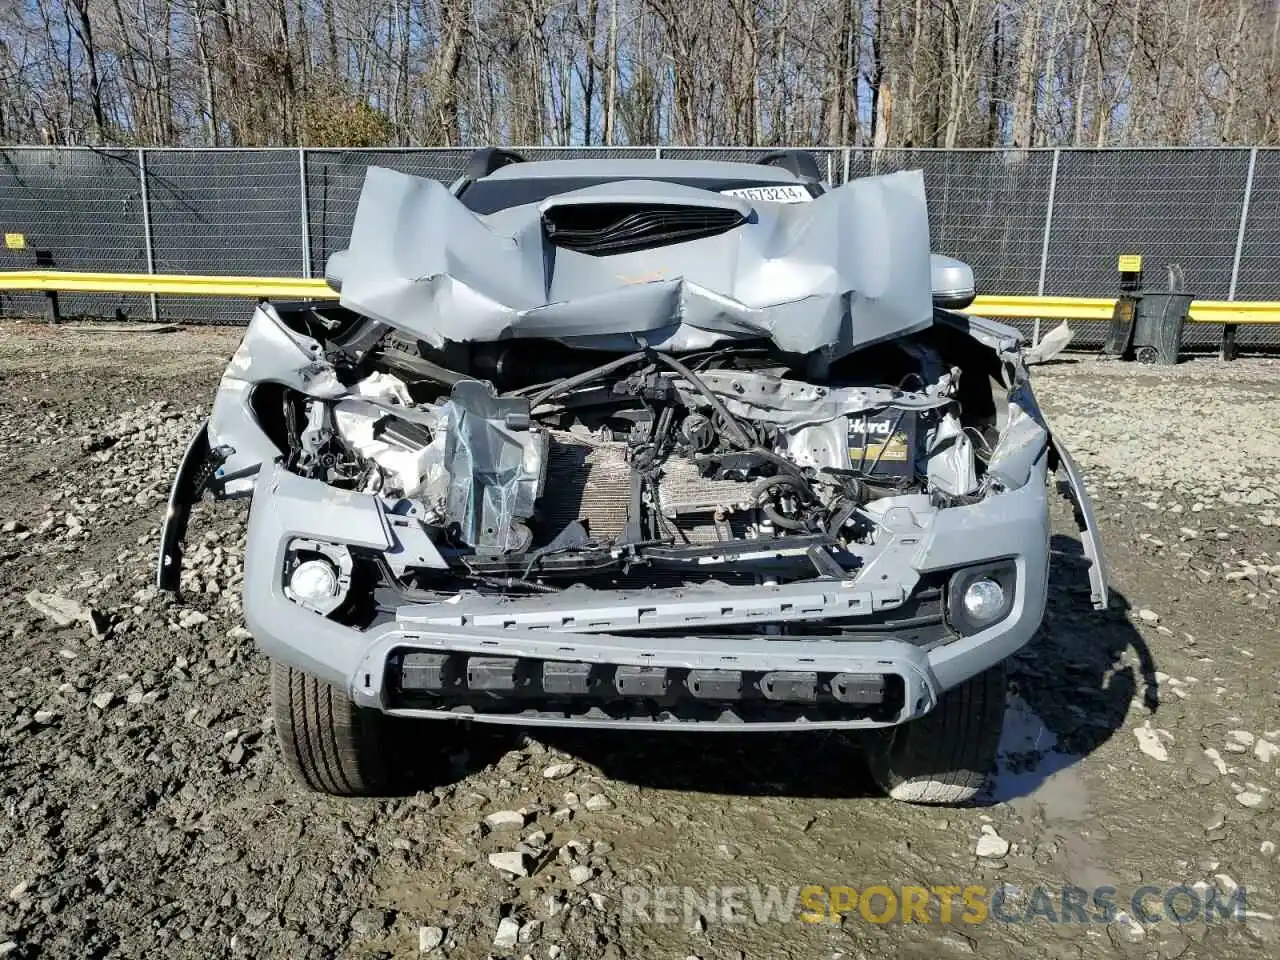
(207, 81)
(444, 79)
(84, 33)
(611, 76)
(1026, 91)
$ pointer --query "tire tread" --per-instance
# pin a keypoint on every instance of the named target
(944, 757)
(327, 742)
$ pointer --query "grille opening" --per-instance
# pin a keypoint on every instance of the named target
(472, 684)
(612, 228)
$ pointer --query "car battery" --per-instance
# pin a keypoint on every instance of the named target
(884, 443)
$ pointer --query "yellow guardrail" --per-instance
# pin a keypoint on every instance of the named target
(1029, 308)
(1235, 311)
(291, 288)
(182, 285)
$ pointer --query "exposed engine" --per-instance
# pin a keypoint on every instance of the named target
(723, 466)
(628, 452)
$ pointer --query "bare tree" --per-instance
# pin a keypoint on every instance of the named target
(878, 73)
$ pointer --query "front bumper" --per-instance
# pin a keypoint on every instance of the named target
(506, 649)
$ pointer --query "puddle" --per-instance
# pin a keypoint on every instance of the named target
(1029, 764)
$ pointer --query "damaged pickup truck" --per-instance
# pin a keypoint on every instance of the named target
(653, 444)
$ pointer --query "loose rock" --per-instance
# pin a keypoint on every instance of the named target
(508, 933)
(429, 938)
(61, 610)
(514, 862)
(991, 845)
(370, 922)
(1239, 741)
(104, 699)
(1151, 741)
(1216, 759)
(192, 618)
(506, 820)
(1125, 929)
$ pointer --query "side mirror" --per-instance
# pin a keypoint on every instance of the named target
(335, 266)
(953, 286)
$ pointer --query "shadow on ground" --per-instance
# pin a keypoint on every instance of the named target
(426, 753)
(1069, 693)
(1071, 686)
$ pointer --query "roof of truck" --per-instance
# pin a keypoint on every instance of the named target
(644, 168)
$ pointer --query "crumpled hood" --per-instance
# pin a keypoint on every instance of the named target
(638, 191)
(846, 270)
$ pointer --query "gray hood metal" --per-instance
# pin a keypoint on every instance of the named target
(849, 269)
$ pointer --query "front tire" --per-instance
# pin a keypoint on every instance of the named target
(944, 756)
(328, 743)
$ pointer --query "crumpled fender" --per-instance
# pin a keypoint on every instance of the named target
(185, 491)
(1027, 435)
(1099, 591)
(230, 448)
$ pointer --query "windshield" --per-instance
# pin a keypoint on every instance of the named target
(490, 196)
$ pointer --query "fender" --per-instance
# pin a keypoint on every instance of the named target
(188, 484)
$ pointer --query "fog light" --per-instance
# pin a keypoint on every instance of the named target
(981, 595)
(314, 581)
(983, 599)
(317, 574)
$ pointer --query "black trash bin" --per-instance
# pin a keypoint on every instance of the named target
(1157, 329)
(1147, 324)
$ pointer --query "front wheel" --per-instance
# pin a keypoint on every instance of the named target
(328, 743)
(944, 756)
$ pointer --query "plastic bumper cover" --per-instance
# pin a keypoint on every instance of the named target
(1012, 525)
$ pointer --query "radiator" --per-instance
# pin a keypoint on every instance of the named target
(589, 479)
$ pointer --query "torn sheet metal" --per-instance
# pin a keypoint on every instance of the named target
(850, 269)
(1090, 540)
(495, 464)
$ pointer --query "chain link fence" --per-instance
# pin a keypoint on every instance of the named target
(1029, 221)
(987, 208)
(79, 210)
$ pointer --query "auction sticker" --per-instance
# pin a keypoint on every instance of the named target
(774, 193)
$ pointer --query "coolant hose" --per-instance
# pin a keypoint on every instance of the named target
(570, 383)
(760, 492)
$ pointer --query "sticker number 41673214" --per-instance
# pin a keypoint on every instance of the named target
(775, 193)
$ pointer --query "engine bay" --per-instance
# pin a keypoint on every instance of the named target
(532, 467)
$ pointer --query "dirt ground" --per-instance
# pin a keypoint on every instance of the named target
(144, 810)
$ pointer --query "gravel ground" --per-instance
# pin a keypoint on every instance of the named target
(146, 813)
